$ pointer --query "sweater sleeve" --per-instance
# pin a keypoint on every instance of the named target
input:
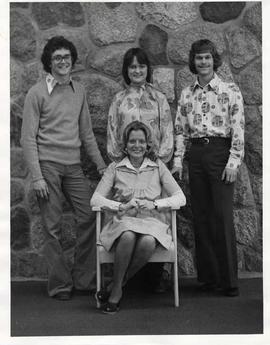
(87, 136)
(29, 132)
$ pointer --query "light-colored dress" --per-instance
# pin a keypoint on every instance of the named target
(123, 182)
(148, 105)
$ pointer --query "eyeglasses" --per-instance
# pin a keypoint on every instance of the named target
(60, 58)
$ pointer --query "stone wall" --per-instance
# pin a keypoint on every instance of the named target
(102, 33)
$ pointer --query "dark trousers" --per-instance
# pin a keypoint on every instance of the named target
(212, 207)
(70, 181)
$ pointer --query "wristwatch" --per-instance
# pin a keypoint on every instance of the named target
(155, 204)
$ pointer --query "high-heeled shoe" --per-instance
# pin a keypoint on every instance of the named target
(102, 296)
(111, 308)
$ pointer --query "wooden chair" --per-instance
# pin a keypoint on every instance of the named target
(160, 255)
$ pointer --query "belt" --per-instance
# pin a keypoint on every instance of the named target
(210, 140)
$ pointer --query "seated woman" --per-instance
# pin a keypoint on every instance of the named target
(136, 183)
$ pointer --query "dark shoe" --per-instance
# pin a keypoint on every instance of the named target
(231, 292)
(111, 308)
(102, 296)
(63, 295)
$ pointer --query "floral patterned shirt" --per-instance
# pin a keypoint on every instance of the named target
(213, 110)
(145, 104)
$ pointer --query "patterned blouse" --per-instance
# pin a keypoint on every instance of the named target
(145, 104)
(213, 110)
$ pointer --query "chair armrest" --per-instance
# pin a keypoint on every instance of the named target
(96, 208)
(175, 208)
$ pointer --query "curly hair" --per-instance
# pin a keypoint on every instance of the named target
(53, 44)
(142, 58)
(202, 46)
(136, 126)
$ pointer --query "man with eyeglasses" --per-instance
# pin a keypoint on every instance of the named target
(56, 122)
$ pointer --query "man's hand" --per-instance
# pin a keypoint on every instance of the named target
(229, 175)
(177, 170)
(41, 189)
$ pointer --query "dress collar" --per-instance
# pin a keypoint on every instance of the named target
(52, 82)
(126, 162)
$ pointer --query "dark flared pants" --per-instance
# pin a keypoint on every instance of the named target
(212, 207)
(70, 181)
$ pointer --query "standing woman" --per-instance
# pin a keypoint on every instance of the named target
(142, 102)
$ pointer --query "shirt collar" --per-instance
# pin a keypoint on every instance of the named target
(213, 84)
(52, 82)
(126, 162)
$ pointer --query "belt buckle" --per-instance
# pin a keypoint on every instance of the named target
(206, 141)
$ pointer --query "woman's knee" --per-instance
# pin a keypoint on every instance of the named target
(148, 242)
(128, 237)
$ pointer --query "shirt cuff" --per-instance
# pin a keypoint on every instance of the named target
(177, 162)
(233, 163)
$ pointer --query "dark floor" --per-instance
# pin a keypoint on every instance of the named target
(33, 313)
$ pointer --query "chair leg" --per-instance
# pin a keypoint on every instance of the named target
(176, 287)
(98, 276)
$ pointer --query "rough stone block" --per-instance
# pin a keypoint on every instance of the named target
(49, 14)
(16, 192)
(250, 83)
(100, 92)
(15, 124)
(185, 231)
(20, 228)
(179, 45)
(108, 60)
(183, 78)
(28, 265)
(224, 72)
(243, 46)
(171, 15)
(153, 41)
(253, 139)
(32, 201)
(220, 12)
(31, 74)
(19, 4)
(253, 259)
(253, 19)
(110, 25)
(17, 164)
(163, 79)
(22, 37)
(37, 234)
(243, 195)
(246, 225)
(256, 184)
(16, 78)
(185, 261)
